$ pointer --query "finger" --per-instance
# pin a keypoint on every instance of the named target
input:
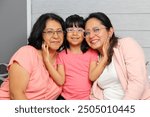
(46, 46)
(43, 47)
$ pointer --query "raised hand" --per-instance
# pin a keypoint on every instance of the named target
(45, 53)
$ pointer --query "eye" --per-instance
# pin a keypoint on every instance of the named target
(87, 33)
(50, 32)
(70, 29)
(96, 30)
(80, 30)
(59, 32)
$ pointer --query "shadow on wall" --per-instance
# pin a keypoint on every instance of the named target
(3, 72)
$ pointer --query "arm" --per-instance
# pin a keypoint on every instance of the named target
(57, 75)
(135, 68)
(19, 79)
(96, 68)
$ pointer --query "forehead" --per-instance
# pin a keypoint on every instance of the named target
(93, 22)
(53, 24)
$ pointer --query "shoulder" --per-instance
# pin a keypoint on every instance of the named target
(130, 46)
(127, 40)
(128, 43)
(62, 52)
(27, 50)
(91, 51)
(26, 56)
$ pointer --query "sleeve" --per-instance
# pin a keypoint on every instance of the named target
(59, 59)
(96, 93)
(94, 55)
(24, 57)
(136, 69)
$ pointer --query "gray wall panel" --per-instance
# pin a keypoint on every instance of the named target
(13, 27)
(130, 17)
(86, 6)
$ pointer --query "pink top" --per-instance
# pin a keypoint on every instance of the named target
(40, 86)
(77, 84)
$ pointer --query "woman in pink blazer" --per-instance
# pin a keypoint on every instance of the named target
(120, 72)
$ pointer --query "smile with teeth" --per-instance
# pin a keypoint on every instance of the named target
(75, 38)
(94, 41)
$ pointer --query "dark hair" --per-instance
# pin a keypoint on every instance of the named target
(107, 23)
(77, 21)
(35, 39)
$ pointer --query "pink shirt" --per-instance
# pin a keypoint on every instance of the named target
(40, 86)
(77, 84)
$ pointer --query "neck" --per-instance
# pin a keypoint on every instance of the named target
(100, 50)
(75, 49)
(52, 53)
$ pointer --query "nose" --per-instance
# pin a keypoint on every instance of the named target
(92, 34)
(75, 32)
(55, 35)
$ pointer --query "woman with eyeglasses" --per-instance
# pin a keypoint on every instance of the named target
(120, 73)
(75, 60)
(30, 76)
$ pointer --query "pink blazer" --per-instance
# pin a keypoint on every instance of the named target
(129, 62)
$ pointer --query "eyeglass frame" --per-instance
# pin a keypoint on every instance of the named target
(79, 30)
(94, 31)
(53, 32)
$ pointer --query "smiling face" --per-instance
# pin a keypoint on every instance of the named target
(96, 33)
(75, 36)
(53, 34)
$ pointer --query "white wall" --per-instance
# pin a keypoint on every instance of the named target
(129, 17)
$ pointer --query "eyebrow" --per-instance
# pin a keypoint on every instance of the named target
(53, 29)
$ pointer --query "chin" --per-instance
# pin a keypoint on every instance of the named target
(56, 48)
(93, 46)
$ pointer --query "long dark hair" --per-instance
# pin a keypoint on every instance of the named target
(107, 23)
(35, 39)
(77, 21)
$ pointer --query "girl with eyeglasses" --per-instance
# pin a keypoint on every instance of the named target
(29, 74)
(75, 60)
(120, 72)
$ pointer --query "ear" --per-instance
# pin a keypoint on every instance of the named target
(111, 31)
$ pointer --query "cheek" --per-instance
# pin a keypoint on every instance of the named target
(68, 35)
(62, 40)
(45, 39)
(87, 40)
(82, 36)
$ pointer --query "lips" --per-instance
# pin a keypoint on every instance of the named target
(94, 41)
(55, 42)
(75, 38)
